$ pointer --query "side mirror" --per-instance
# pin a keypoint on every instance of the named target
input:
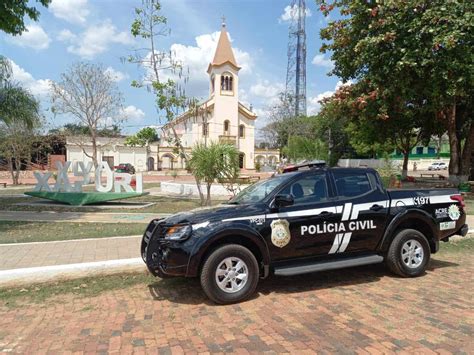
(283, 201)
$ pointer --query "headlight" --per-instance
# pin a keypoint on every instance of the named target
(178, 232)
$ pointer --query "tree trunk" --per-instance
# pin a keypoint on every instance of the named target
(467, 155)
(208, 198)
(16, 181)
(406, 154)
(94, 151)
(12, 171)
(438, 153)
(454, 145)
(201, 195)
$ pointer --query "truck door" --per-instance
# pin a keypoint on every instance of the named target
(362, 208)
(313, 208)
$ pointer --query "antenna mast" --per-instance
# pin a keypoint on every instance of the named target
(296, 69)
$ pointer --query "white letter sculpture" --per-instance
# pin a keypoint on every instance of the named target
(85, 173)
(42, 181)
(104, 167)
(62, 180)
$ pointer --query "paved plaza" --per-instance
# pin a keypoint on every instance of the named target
(364, 310)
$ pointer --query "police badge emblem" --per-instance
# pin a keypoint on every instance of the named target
(280, 232)
(454, 212)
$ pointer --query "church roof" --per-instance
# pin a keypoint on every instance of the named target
(224, 53)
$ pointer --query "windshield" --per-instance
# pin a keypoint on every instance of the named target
(258, 191)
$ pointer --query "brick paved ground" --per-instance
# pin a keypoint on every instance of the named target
(355, 310)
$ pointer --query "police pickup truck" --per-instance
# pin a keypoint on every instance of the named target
(300, 222)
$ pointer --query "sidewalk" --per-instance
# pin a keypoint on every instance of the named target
(43, 261)
(95, 217)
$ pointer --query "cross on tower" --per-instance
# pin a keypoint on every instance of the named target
(223, 21)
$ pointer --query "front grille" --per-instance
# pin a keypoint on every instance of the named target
(153, 230)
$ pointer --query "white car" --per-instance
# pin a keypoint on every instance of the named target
(438, 166)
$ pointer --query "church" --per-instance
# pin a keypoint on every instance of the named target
(220, 118)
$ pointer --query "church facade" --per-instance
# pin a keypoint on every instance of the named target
(220, 118)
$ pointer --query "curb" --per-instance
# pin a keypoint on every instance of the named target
(17, 277)
(73, 240)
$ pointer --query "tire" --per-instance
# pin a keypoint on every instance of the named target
(232, 287)
(408, 254)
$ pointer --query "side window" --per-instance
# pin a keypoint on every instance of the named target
(308, 189)
(351, 184)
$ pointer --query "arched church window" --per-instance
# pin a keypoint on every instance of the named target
(241, 131)
(226, 127)
(227, 82)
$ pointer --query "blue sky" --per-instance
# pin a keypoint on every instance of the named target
(99, 31)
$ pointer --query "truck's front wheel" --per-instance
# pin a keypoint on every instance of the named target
(230, 274)
(409, 253)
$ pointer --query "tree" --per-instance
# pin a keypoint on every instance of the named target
(88, 94)
(159, 68)
(74, 129)
(213, 162)
(375, 122)
(302, 148)
(16, 103)
(415, 52)
(19, 119)
(5, 70)
(13, 12)
(142, 138)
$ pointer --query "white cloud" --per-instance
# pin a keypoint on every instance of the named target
(197, 58)
(291, 13)
(266, 90)
(314, 104)
(320, 61)
(39, 87)
(132, 113)
(116, 75)
(34, 37)
(73, 11)
(65, 36)
(96, 39)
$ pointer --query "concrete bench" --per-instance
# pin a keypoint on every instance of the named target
(439, 176)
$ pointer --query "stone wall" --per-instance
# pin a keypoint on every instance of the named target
(421, 164)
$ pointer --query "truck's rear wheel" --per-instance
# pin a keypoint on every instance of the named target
(409, 253)
(230, 274)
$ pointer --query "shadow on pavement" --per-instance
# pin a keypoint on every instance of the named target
(188, 291)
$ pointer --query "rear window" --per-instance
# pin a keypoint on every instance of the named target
(351, 184)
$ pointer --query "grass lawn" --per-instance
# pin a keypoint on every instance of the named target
(84, 287)
(24, 232)
(469, 206)
(15, 191)
(162, 204)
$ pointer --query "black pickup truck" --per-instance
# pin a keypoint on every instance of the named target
(300, 222)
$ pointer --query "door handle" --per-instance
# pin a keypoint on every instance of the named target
(376, 207)
(326, 213)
